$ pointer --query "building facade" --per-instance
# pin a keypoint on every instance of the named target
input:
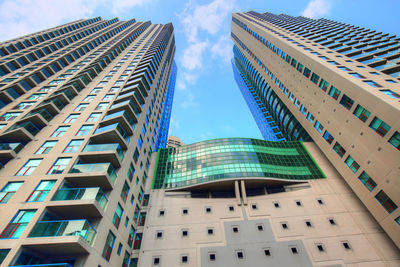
(248, 202)
(332, 83)
(174, 141)
(83, 106)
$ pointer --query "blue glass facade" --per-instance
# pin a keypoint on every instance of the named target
(162, 135)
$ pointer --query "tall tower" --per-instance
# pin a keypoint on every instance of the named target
(335, 84)
(83, 106)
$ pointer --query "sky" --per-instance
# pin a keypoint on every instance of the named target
(207, 102)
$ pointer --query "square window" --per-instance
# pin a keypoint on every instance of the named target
(208, 209)
(320, 201)
(212, 256)
(276, 205)
(210, 231)
(235, 229)
(161, 213)
(254, 206)
(231, 208)
(260, 227)
(156, 261)
(320, 247)
(159, 234)
(285, 226)
(184, 259)
(346, 244)
(331, 221)
(240, 254)
(294, 250)
(308, 223)
(298, 203)
(267, 252)
(185, 211)
(185, 233)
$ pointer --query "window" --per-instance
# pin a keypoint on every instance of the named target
(73, 146)
(235, 229)
(108, 247)
(125, 192)
(293, 249)
(231, 208)
(185, 211)
(318, 126)
(156, 261)
(323, 85)
(101, 106)
(24, 105)
(334, 92)
(29, 167)
(328, 137)
(284, 225)
(71, 118)
(298, 203)
(352, 164)
(185, 233)
(96, 90)
(379, 126)
(346, 102)
(36, 96)
(361, 113)
(208, 209)
(125, 262)
(390, 93)
(300, 67)
(89, 98)
(113, 89)
(60, 131)
(346, 244)
(240, 254)
(41, 191)
(108, 97)
(8, 191)
(303, 110)
(260, 227)
(385, 201)
(9, 116)
(81, 107)
(310, 117)
(212, 256)
(84, 130)
(267, 252)
(159, 234)
(372, 83)
(339, 149)
(320, 201)
(46, 147)
(210, 231)
(320, 247)
(59, 166)
(315, 78)
(18, 224)
(276, 205)
(307, 72)
(184, 259)
(356, 75)
(3, 254)
(331, 221)
(395, 140)
(308, 223)
(161, 212)
(131, 172)
(254, 206)
(94, 117)
(367, 181)
(131, 236)
(117, 216)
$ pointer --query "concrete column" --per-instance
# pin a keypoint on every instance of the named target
(243, 188)
(237, 193)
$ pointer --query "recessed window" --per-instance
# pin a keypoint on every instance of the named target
(254, 206)
(332, 221)
(367, 181)
(212, 256)
(285, 226)
(320, 247)
(210, 231)
(235, 229)
(185, 233)
(240, 254)
(352, 164)
(346, 102)
(298, 203)
(308, 223)
(334, 92)
(159, 234)
(339, 149)
(184, 259)
(346, 244)
(379, 126)
(395, 140)
(276, 205)
(294, 250)
(185, 211)
(208, 209)
(161, 212)
(328, 137)
(320, 201)
(386, 201)
(372, 83)
(156, 261)
(390, 93)
(361, 113)
(231, 208)
(267, 252)
(260, 227)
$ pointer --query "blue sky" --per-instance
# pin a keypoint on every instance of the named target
(207, 102)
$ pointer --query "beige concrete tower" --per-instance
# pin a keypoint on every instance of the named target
(82, 106)
(174, 141)
(335, 84)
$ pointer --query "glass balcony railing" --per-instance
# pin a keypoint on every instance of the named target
(81, 194)
(29, 126)
(95, 167)
(381, 67)
(113, 127)
(371, 60)
(80, 228)
(128, 102)
(11, 146)
(45, 114)
(105, 147)
(121, 113)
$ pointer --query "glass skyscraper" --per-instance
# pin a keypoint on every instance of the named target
(83, 106)
(332, 83)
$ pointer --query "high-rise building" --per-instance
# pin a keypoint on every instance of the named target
(248, 202)
(174, 141)
(83, 106)
(332, 83)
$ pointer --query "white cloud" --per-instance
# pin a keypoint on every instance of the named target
(21, 17)
(317, 8)
(223, 48)
(189, 100)
(192, 55)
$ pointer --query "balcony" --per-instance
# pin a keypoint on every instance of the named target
(113, 133)
(129, 105)
(129, 94)
(123, 118)
(21, 132)
(92, 175)
(95, 153)
(75, 202)
(64, 237)
(45, 265)
(8, 151)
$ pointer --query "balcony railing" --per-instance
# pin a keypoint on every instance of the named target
(16, 147)
(80, 228)
(121, 113)
(95, 168)
(82, 193)
(45, 265)
(105, 147)
(113, 127)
